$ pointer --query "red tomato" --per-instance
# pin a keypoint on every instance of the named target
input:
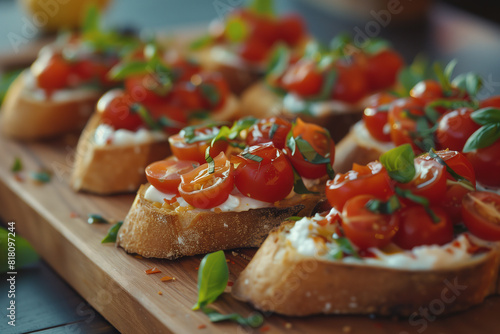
(253, 50)
(486, 163)
(303, 78)
(481, 214)
(493, 101)
(187, 96)
(183, 69)
(292, 29)
(196, 151)
(262, 27)
(416, 227)
(375, 119)
(371, 179)
(401, 118)
(382, 69)
(454, 128)
(268, 180)
(351, 83)
(165, 175)
(115, 110)
(204, 190)
(143, 89)
(365, 228)
(320, 141)
(261, 132)
(427, 90)
(429, 180)
(52, 72)
(175, 115)
(216, 82)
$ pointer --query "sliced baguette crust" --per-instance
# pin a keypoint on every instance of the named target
(26, 118)
(112, 169)
(260, 101)
(278, 279)
(157, 232)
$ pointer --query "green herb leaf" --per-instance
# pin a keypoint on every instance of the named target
(375, 45)
(95, 218)
(406, 193)
(346, 247)
(210, 161)
(278, 63)
(91, 21)
(339, 42)
(43, 176)
(298, 184)
(210, 92)
(386, 208)
(468, 82)
(330, 77)
(330, 171)
(409, 76)
(201, 42)
(309, 153)
(486, 116)
(145, 116)
(213, 276)
(126, 69)
(236, 30)
(462, 180)
(314, 50)
(112, 233)
(255, 320)
(483, 137)
(273, 130)
(399, 163)
(262, 7)
(5, 81)
(17, 166)
(25, 254)
(252, 157)
(443, 79)
(293, 218)
(448, 70)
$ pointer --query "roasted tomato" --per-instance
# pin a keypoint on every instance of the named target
(272, 129)
(263, 173)
(165, 175)
(454, 128)
(486, 163)
(115, 109)
(303, 78)
(195, 148)
(366, 228)
(416, 227)
(318, 138)
(382, 69)
(375, 116)
(481, 214)
(371, 179)
(206, 190)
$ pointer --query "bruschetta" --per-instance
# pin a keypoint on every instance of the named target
(386, 247)
(163, 93)
(233, 200)
(329, 86)
(240, 46)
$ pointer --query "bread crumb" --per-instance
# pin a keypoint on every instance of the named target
(288, 325)
(218, 210)
(346, 329)
(160, 293)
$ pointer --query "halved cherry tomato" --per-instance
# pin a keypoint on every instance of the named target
(365, 228)
(115, 109)
(195, 151)
(481, 214)
(320, 141)
(268, 180)
(303, 78)
(351, 83)
(52, 71)
(429, 180)
(486, 163)
(416, 227)
(271, 129)
(401, 117)
(375, 118)
(206, 190)
(382, 69)
(454, 128)
(371, 179)
(145, 89)
(165, 175)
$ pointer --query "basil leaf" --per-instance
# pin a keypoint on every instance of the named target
(252, 157)
(190, 135)
(406, 193)
(145, 116)
(210, 92)
(298, 184)
(309, 153)
(468, 82)
(91, 20)
(236, 30)
(399, 163)
(5, 81)
(386, 208)
(124, 70)
(273, 130)
(375, 45)
(262, 7)
(463, 181)
(483, 137)
(25, 254)
(278, 63)
(43, 176)
(213, 276)
(486, 116)
(443, 79)
(293, 218)
(314, 50)
(448, 70)
(17, 166)
(409, 76)
(254, 320)
(330, 77)
(339, 42)
(346, 247)
(210, 161)
(241, 125)
(330, 171)
(95, 218)
(112, 233)
(201, 42)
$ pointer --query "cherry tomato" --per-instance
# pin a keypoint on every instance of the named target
(272, 129)
(145, 89)
(401, 117)
(375, 118)
(183, 68)
(195, 151)
(206, 190)
(493, 101)
(429, 180)
(416, 227)
(486, 163)
(165, 175)
(188, 96)
(291, 29)
(371, 179)
(454, 128)
(427, 90)
(382, 69)
(303, 78)
(481, 214)
(52, 71)
(320, 141)
(214, 90)
(351, 83)
(253, 50)
(365, 228)
(268, 180)
(115, 109)
(176, 116)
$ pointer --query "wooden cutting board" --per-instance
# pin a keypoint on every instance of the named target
(54, 219)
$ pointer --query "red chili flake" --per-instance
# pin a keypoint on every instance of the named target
(73, 214)
(152, 271)
(232, 262)
(202, 326)
(264, 329)
(167, 278)
(230, 283)
(196, 268)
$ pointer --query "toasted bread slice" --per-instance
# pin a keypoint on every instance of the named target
(281, 280)
(111, 169)
(26, 117)
(153, 231)
(337, 117)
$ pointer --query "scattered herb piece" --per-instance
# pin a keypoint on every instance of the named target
(42, 176)
(406, 193)
(252, 157)
(112, 233)
(202, 42)
(386, 208)
(96, 219)
(462, 180)
(293, 218)
(17, 166)
(145, 116)
(346, 248)
(298, 184)
(210, 161)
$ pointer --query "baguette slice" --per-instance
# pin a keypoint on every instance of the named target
(153, 231)
(338, 117)
(25, 117)
(112, 169)
(281, 280)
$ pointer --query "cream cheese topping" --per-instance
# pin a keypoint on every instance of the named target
(107, 135)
